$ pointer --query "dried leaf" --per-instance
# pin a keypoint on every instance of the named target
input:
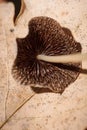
(19, 8)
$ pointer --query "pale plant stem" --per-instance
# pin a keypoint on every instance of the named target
(18, 108)
(74, 58)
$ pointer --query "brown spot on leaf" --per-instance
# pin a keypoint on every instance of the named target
(64, 13)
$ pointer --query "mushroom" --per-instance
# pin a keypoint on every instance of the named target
(48, 56)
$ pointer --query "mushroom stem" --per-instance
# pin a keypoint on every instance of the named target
(74, 58)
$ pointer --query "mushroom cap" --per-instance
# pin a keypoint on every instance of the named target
(47, 37)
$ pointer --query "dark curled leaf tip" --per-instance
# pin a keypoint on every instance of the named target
(47, 37)
(19, 6)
